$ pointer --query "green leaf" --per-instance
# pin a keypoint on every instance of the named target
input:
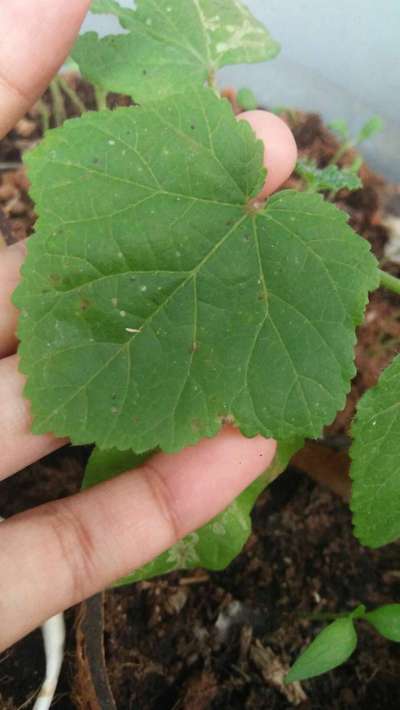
(214, 545)
(386, 620)
(331, 178)
(341, 128)
(109, 7)
(106, 464)
(332, 647)
(170, 47)
(373, 126)
(376, 461)
(156, 303)
(246, 100)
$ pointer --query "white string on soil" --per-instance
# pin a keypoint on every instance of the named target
(53, 632)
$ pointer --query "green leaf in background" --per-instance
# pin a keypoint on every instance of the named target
(214, 545)
(373, 126)
(170, 47)
(246, 100)
(375, 470)
(331, 178)
(105, 464)
(332, 647)
(386, 620)
(155, 302)
(341, 128)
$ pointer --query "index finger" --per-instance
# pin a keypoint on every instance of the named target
(82, 544)
(35, 40)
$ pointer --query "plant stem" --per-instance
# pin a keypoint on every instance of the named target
(323, 616)
(72, 94)
(59, 111)
(44, 114)
(341, 151)
(101, 98)
(390, 282)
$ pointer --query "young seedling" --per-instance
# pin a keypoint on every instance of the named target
(154, 254)
(332, 178)
(370, 128)
(336, 642)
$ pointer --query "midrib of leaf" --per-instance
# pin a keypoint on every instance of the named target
(317, 256)
(183, 135)
(204, 30)
(259, 329)
(194, 338)
(267, 294)
(126, 345)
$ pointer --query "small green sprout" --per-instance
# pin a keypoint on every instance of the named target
(337, 642)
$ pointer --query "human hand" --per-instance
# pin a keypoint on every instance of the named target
(60, 553)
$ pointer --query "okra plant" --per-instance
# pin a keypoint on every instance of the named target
(160, 298)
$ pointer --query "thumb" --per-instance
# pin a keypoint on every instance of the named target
(36, 37)
(280, 150)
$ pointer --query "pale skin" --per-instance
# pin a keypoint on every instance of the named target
(60, 553)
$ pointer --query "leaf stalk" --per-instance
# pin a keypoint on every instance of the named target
(391, 283)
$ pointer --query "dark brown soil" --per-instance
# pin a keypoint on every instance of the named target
(218, 641)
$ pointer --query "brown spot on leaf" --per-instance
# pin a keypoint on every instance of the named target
(84, 303)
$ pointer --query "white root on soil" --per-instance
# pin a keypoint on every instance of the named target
(54, 638)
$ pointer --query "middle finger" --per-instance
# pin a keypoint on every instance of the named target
(10, 264)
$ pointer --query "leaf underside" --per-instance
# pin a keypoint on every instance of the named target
(215, 544)
(375, 469)
(155, 304)
(171, 46)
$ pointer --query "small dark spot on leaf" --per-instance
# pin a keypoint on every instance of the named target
(261, 296)
(95, 161)
(135, 420)
(196, 425)
(55, 279)
(144, 72)
(192, 126)
(84, 304)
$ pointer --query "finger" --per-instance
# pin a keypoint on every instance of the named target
(280, 159)
(18, 447)
(10, 264)
(82, 544)
(35, 40)
(280, 150)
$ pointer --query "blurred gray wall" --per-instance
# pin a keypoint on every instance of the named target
(340, 58)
